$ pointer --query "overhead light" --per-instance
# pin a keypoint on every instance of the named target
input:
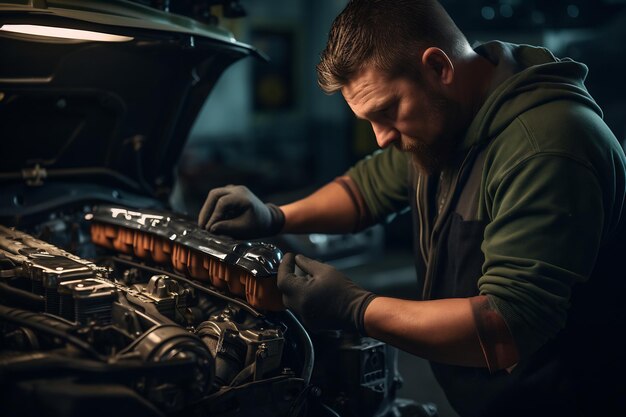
(64, 33)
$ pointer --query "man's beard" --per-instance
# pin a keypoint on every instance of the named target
(426, 159)
(429, 158)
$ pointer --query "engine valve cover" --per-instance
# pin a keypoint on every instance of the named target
(245, 269)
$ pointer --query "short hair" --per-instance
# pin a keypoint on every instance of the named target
(388, 34)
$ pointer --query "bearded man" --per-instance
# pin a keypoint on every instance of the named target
(517, 190)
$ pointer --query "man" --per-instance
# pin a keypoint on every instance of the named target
(517, 189)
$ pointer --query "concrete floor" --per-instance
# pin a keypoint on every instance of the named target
(392, 274)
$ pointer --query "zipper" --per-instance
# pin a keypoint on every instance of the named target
(423, 221)
(431, 264)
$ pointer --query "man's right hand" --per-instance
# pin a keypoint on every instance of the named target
(236, 212)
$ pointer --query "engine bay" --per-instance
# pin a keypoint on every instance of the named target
(110, 305)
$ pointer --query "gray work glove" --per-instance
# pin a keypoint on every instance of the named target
(321, 296)
(236, 212)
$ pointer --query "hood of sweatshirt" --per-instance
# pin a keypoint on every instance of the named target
(525, 77)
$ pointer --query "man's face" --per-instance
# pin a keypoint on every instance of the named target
(412, 115)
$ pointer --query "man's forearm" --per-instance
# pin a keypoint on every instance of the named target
(443, 330)
(328, 210)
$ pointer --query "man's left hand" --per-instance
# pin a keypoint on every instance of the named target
(321, 296)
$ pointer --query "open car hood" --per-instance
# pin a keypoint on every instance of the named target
(111, 111)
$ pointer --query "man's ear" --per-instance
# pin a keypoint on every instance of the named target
(437, 63)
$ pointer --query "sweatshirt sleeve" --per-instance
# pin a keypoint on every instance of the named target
(545, 232)
(382, 179)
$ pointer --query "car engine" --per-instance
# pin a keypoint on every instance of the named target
(153, 313)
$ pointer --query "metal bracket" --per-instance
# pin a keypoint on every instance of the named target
(34, 176)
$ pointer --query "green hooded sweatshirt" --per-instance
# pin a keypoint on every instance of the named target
(530, 207)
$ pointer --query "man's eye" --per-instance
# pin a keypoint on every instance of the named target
(389, 112)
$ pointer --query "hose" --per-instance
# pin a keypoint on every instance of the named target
(309, 354)
(46, 325)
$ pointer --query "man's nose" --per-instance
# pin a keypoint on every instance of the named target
(385, 135)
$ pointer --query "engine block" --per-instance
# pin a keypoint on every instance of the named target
(116, 322)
